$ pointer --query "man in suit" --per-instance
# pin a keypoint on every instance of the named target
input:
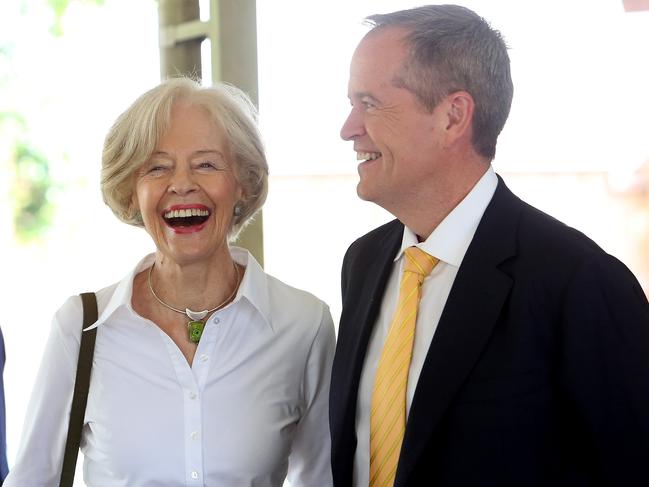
(529, 364)
(3, 429)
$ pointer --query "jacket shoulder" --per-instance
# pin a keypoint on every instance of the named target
(544, 234)
(375, 240)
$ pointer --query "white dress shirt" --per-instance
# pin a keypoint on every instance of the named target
(253, 405)
(448, 242)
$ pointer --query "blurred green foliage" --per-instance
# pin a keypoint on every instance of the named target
(59, 7)
(33, 208)
(32, 187)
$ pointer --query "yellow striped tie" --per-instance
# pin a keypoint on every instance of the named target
(388, 416)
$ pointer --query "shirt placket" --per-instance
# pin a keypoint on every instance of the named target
(191, 385)
(193, 403)
(193, 436)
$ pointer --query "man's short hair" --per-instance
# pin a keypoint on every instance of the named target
(452, 49)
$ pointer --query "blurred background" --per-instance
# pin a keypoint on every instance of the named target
(576, 144)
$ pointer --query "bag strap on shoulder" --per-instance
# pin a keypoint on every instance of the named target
(81, 387)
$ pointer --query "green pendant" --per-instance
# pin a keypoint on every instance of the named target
(195, 330)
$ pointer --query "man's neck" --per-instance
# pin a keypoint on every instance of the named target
(424, 211)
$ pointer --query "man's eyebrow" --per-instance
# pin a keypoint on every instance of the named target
(359, 95)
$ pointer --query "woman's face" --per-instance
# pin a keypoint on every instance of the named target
(187, 190)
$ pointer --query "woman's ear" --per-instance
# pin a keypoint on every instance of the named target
(134, 206)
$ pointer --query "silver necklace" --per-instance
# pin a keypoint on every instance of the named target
(196, 324)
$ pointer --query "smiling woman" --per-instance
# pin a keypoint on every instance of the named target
(186, 193)
(227, 120)
(180, 388)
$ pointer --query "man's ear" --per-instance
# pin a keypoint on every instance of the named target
(460, 109)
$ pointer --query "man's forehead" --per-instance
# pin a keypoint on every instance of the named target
(380, 38)
(380, 51)
(369, 75)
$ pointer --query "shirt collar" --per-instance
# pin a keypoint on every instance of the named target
(123, 292)
(253, 287)
(450, 240)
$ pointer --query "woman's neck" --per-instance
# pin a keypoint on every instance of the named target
(196, 285)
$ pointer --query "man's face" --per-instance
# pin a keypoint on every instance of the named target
(395, 138)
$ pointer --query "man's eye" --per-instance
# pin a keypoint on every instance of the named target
(368, 102)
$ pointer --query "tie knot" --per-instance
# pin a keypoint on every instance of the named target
(419, 262)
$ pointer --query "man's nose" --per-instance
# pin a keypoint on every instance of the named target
(354, 126)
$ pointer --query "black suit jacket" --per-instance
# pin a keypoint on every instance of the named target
(538, 372)
(3, 437)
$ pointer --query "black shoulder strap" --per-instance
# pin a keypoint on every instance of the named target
(81, 386)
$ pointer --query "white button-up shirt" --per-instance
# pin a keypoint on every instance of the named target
(252, 407)
(448, 242)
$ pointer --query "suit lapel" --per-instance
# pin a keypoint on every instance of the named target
(368, 275)
(473, 306)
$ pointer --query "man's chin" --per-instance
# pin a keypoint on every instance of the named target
(366, 192)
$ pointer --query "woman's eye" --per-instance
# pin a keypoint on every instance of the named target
(155, 168)
(207, 165)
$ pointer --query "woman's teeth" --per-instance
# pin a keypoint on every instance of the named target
(186, 217)
(186, 213)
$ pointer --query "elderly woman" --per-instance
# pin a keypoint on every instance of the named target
(233, 396)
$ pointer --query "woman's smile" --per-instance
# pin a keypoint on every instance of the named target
(186, 218)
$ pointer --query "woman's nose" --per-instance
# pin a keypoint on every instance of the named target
(182, 182)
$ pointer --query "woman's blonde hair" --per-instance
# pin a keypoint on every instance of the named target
(135, 134)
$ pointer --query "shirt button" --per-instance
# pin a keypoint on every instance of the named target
(194, 475)
(216, 321)
(192, 395)
(193, 435)
(204, 358)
